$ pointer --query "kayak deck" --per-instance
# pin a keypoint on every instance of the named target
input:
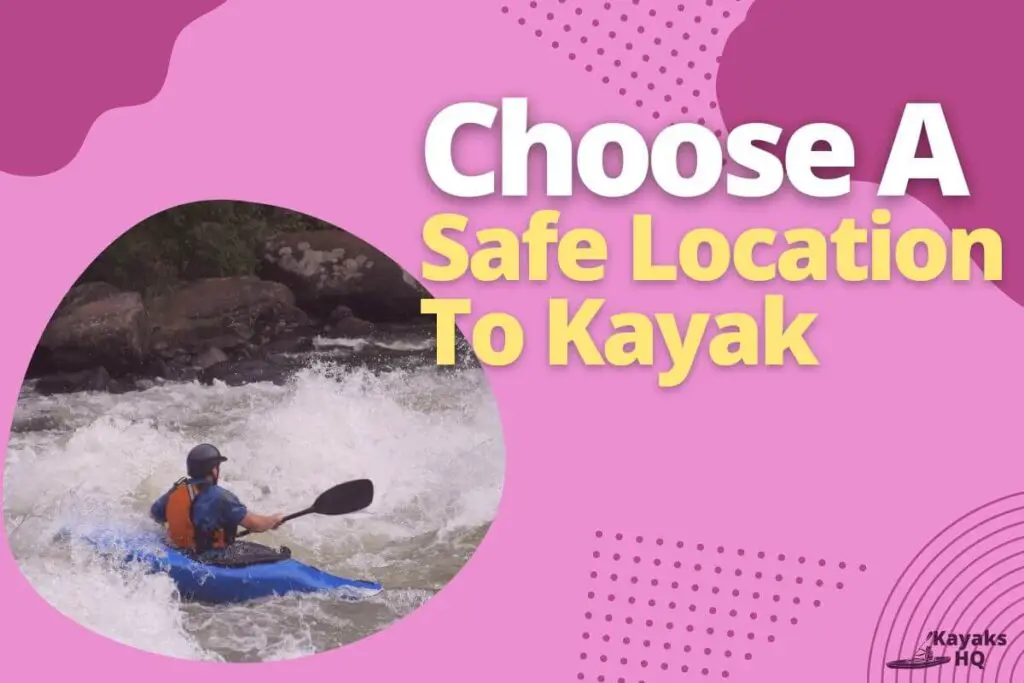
(202, 582)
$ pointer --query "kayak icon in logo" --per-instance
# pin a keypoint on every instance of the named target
(924, 658)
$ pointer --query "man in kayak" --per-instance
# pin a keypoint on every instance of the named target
(199, 515)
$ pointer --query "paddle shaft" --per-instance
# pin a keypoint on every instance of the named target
(307, 511)
(342, 499)
(302, 513)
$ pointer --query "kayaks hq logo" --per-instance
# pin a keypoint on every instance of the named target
(957, 608)
(970, 649)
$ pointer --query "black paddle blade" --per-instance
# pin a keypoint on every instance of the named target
(351, 496)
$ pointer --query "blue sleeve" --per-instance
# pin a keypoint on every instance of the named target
(159, 510)
(232, 512)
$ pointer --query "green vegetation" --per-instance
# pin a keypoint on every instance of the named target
(203, 239)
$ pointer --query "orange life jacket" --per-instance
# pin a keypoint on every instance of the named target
(181, 533)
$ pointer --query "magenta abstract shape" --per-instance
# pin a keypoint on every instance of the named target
(857, 64)
(63, 63)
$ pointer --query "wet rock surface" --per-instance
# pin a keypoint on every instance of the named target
(321, 296)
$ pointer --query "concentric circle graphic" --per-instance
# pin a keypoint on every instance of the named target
(956, 613)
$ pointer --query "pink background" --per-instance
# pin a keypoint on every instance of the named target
(321, 107)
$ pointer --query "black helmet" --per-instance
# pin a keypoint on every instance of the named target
(202, 459)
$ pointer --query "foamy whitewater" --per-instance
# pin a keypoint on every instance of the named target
(430, 441)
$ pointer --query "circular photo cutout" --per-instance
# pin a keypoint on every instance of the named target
(233, 442)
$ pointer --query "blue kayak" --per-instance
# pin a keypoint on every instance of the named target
(209, 583)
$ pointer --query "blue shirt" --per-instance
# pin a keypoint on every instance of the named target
(214, 508)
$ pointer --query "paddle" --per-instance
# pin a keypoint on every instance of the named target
(342, 499)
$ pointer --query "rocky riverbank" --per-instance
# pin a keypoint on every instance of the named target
(313, 291)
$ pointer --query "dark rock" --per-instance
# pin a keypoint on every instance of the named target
(181, 373)
(237, 373)
(350, 328)
(223, 312)
(328, 268)
(340, 313)
(40, 363)
(36, 423)
(109, 331)
(159, 350)
(210, 356)
(186, 375)
(69, 382)
(343, 323)
(293, 344)
(122, 385)
(289, 321)
(174, 370)
(85, 293)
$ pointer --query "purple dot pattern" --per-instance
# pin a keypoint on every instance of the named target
(660, 57)
(678, 618)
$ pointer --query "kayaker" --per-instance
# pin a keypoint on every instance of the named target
(199, 515)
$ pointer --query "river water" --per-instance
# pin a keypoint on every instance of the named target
(429, 439)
